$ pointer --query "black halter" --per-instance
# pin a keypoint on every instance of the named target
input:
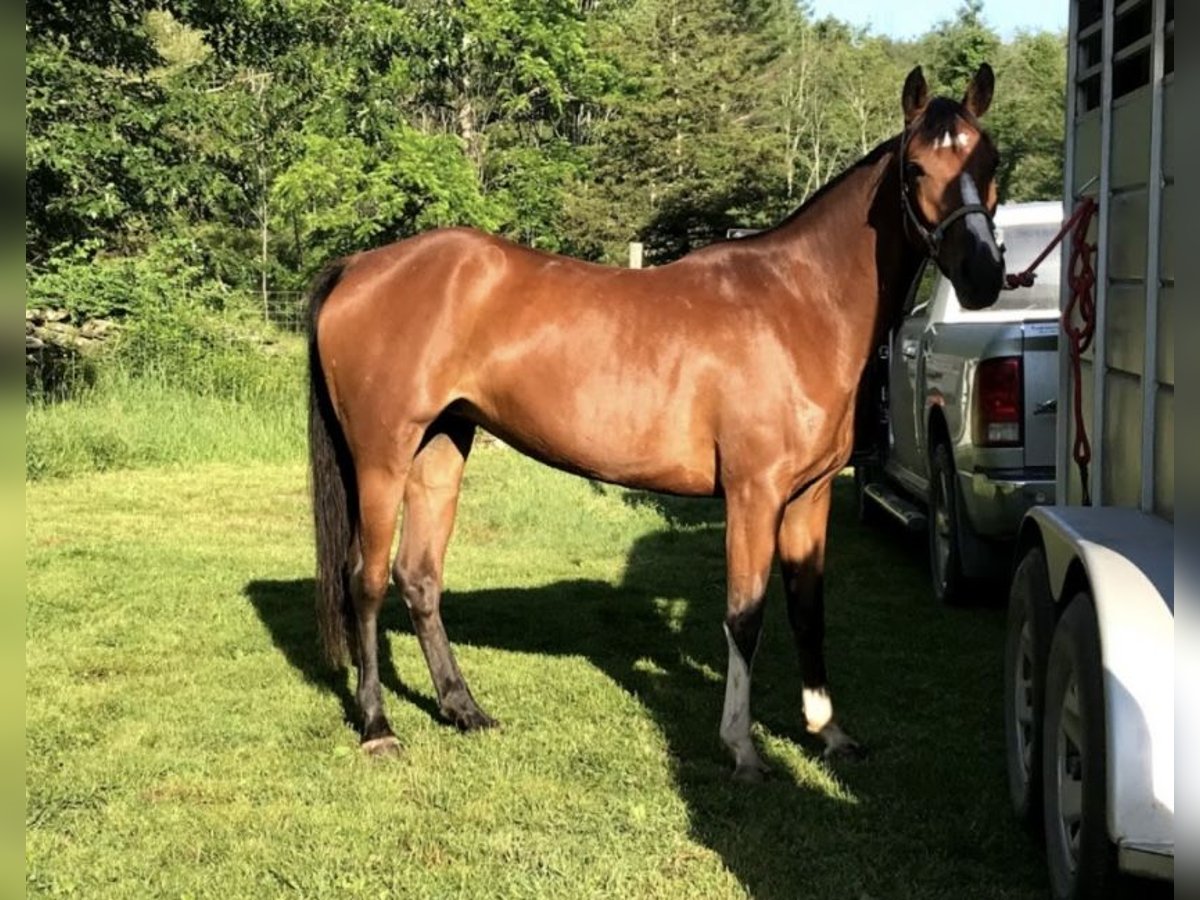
(932, 238)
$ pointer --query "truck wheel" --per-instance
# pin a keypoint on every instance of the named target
(945, 554)
(1079, 854)
(1026, 648)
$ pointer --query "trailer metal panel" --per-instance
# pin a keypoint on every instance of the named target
(1120, 135)
(1127, 235)
(1062, 471)
(1127, 327)
(1164, 334)
(1120, 479)
(1164, 454)
(1150, 386)
(1100, 342)
(1130, 152)
(1166, 255)
(1087, 153)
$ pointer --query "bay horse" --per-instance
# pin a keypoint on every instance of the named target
(732, 371)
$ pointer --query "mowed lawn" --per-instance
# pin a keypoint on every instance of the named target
(184, 740)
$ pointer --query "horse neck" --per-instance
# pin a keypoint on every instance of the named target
(853, 235)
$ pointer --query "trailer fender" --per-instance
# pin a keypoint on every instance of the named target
(1124, 559)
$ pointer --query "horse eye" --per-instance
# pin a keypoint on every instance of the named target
(913, 170)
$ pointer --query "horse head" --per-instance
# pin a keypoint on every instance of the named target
(948, 185)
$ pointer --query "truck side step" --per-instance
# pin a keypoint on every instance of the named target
(903, 510)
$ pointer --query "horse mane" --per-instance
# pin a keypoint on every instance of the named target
(939, 116)
(881, 150)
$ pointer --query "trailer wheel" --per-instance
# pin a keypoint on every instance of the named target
(1079, 854)
(1027, 646)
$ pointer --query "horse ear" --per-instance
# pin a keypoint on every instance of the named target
(978, 97)
(915, 95)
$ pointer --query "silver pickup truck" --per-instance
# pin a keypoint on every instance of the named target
(962, 406)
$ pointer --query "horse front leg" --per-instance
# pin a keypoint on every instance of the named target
(751, 520)
(802, 559)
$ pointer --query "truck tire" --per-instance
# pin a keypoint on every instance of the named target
(945, 552)
(1081, 858)
(1026, 649)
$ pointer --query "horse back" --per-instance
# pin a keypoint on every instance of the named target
(662, 378)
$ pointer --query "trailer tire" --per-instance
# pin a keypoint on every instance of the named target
(1080, 857)
(1026, 650)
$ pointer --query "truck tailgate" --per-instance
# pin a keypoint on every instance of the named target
(1040, 346)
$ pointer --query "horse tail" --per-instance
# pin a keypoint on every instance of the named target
(334, 493)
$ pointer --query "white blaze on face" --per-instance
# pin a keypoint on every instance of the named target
(951, 139)
(735, 720)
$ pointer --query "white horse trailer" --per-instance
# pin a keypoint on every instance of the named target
(1090, 653)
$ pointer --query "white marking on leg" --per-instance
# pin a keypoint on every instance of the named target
(818, 715)
(735, 720)
(818, 709)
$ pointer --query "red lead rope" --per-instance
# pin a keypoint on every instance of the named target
(1081, 279)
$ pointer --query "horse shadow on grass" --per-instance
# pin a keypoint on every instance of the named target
(658, 635)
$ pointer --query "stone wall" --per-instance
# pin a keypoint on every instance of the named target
(60, 354)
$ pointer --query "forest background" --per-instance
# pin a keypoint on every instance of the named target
(219, 153)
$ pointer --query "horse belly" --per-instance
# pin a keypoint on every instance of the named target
(613, 423)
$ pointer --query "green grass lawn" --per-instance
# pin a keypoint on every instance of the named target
(183, 740)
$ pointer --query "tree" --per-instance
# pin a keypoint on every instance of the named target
(93, 158)
(258, 138)
(1028, 117)
(679, 145)
(957, 47)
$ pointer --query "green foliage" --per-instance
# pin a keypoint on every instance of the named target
(179, 154)
(958, 47)
(94, 163)
(177, 390)
(343, 194)
(1028, 115)
(130, 423)
(174, 327)
(91, 284)
(212, 356)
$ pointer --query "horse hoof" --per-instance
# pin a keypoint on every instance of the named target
(388, 745)
(845, 749)
(750, 773)
(473, 720)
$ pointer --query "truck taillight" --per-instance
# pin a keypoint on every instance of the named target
(998, 393)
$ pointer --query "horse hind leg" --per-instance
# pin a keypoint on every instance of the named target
(379, 492)
(430, 503)
(802, 561)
